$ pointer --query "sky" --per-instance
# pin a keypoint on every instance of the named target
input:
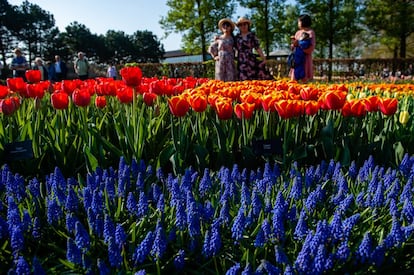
(99, 16)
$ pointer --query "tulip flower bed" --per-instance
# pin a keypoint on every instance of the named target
(136, 219)
(175, 123)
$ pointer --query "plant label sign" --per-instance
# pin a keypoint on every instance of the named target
(267, 147)
(18, 150)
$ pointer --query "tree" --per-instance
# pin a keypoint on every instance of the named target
(390, 22)
(197, 19)
(148, 47)
(268, 17)
(7, 14)
(79, 38)
(32, 25)
(120, 46)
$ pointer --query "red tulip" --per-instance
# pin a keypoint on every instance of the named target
(354, 108)
(7, 106)
(179, 106)
(33, 76)
(334, 100)
(100, 101)
(371, 103)
(4, 91)
(244, 110)
(224, 108)
(309, 93)
(388, 106)
(17, 85)
(36, 90)
(81, 97)
(125, 94)
(68, 86)
(59, 100)
(149, 98)
(311, 107)
(131, 76)
(198, 103)
(287, 108)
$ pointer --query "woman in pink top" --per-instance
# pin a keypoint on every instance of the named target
(304, 25)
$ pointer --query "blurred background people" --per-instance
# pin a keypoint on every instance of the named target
(19, 64)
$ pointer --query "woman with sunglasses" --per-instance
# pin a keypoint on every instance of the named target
(222, 51)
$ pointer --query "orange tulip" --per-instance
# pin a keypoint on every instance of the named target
(308, 93)
(334, 100)
(287, 108)
(179, 106)
(311, 107)
(244, 110)
(59, 100)
(388, 106)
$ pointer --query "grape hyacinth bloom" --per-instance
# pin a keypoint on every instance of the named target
(37, 267)
(205, 184)
(103, 269)
(143, 249)
(160, 243)
(179, 260)
(142, 207)
(280, 255)
(237, 228)
(114, 253)
(82, 238)
(54, 212)
(72, 200)
(22, 267)
(363, 253)
(16, 239)
(234, 269)
(120, 235)
(73, 253)
(301, 229)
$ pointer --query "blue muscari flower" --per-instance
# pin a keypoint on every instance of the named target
(349, 223)
(58, 185)
(330, 170)
(320, 260)
(405, 165)
(22, 267)
(378, 199)
(245, 195)
(408, 231)
(343, 252)
(378, 255)
(156, 191)
(54, 212)
(160, 243)
(235, 173)
(143, 249)
(102, 268)
(160, 175)
(280, 255)
(247, 270)
(238, 226)
(179, 260)
(205, 184)
(186, 181)
(26, 221)
(267, 229)
(342, 183)
(91, 181)
(336, 227)
(261, 185)
(174, 188)
(303, 263)
(408, 211)
(353, 171)
(208, 211)
(37, 267)
(301, 229)
(87, 197)
(225, 213)
(280, 205)
(140, 182)
(278, 224)
(407, 193)
(234, 269)
(310, 174)
(268, 268)
(98, 226)
(142, 207)
(395, 237)
(34, 188)
(124, 181)
(260, 239)
(72, 200)
(71, 220)
(82, 238)
(296, 191)
(294, 171)
(394, 212)
(313, 198)
(363, 253)
(346, 203)
(114, 253)
(36, 231)
(329, 262)
(16, 239)
(244, 175)
(161, 203)
(268, 205)
(134, 168)
(120, 235)
(256, 203)
(360, 200)
(110, 187)
(149, 171)
(140, 272)
(206, 251)
(321, 236)
(131, 204)
(180, 216)
(109, 229)
(98, 203)
(73, 253)
(289, 270)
